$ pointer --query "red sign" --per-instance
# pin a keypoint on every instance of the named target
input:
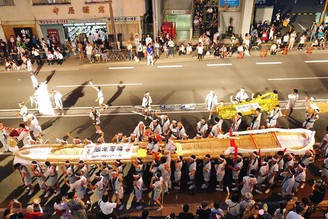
(54, 36)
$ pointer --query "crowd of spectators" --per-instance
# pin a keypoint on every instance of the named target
(21, 51)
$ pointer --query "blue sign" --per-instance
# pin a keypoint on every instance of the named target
(230, 3)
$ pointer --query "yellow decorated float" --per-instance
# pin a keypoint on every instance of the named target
(265, 102)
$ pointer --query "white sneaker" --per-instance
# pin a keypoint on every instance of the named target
(233, 183)
(204, 186)
(31, 192)
(160, 208)
(235, 189)
(219, 189)
(176, 187)
(47, 194)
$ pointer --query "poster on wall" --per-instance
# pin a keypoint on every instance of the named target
(229, 3)
(53, 36)
(23, 32)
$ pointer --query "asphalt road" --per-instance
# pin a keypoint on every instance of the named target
(186, 81)
(173, 81)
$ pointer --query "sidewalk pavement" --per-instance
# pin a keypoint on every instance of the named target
(74, 63)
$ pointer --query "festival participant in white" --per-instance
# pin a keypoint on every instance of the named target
(57, 100)
(157, 184)
(146, 104)
(25, 177)
(211, 102)
(220, 172)
(100, 97)
(43, 100)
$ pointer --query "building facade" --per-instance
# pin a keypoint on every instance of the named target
(70, 19)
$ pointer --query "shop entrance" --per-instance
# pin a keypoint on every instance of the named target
(92, 31)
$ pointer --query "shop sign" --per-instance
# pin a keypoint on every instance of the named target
(126, 19)
(101, 9)
(229, 3)
(178, 11)
(71, 10)
(107, 152)
(54, 36)
(66, 21)
(86, 10)
(55, 10)
(62, 21)
(23, 32)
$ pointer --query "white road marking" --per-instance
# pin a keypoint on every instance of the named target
(316, 61)
(101, 85)
(169, 66)
(295, 79)
(222, 64)
(121, 68)
(268, 63)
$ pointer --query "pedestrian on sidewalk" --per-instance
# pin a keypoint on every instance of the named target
(129, 48)
(171, 47)
(36, 54)
(292, 40)
(156, 49)
(150, 55)
(200, 51)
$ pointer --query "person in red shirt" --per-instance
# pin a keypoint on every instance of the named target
(33, 211)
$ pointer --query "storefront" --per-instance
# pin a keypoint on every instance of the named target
(183, 21)
(23, 30)
(126, 28)
(60, 30)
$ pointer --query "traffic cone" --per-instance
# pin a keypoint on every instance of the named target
(240, 56)
(310, 49)
(285, 51)
(263, 53)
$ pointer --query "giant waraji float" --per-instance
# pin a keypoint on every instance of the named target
(265, 141)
